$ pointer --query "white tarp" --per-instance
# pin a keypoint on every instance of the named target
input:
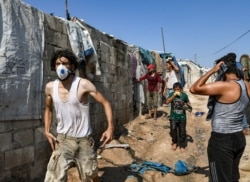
(21, 53)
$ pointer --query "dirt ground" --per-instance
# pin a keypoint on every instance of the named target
(148, 140)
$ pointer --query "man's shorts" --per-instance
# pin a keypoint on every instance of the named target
(70, 151)
(152, 99)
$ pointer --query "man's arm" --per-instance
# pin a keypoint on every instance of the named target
(48, 116)
(160, 84)
(143, 77)
(165, 86)
(107, 135)
(200, 86)
(160, 87)
(176, 68)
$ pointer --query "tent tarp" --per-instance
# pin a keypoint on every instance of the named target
(21, 53)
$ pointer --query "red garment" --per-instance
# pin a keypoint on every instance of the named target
(152, 81)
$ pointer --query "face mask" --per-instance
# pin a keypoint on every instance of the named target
(62, 72)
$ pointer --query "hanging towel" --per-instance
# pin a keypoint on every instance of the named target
(88, 48)
(81, 43)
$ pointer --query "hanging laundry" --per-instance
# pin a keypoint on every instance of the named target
(158, 61)
(81, 43)
(88, 48)
(146, 56)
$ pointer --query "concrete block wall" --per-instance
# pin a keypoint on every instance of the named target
(24, 150)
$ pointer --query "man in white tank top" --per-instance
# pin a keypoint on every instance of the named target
(170, 77)
(73, 143)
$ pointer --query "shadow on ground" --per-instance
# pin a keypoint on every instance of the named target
(121, 174)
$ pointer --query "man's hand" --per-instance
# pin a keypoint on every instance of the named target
(217, 67)
(107, 136)
(52, 140)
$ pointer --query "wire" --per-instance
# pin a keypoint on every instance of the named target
(233, 41)
(67, 10)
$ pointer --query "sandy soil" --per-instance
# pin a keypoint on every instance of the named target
(149, 140)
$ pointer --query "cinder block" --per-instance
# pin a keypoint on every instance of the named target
(1, 163)
(23, 137)
(53, 23)
(39, 135)
(5, 126)
(19, 125)
(6, 141)
(18, 157)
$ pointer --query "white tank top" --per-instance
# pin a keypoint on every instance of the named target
(172, 78)
(73, 116)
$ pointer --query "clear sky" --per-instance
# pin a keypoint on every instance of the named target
(200, 30)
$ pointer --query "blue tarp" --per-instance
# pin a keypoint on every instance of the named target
(146, 56)
(181, 167)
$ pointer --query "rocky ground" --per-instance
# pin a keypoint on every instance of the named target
(148, 140)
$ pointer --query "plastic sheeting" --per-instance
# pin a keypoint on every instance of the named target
(21, 53)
